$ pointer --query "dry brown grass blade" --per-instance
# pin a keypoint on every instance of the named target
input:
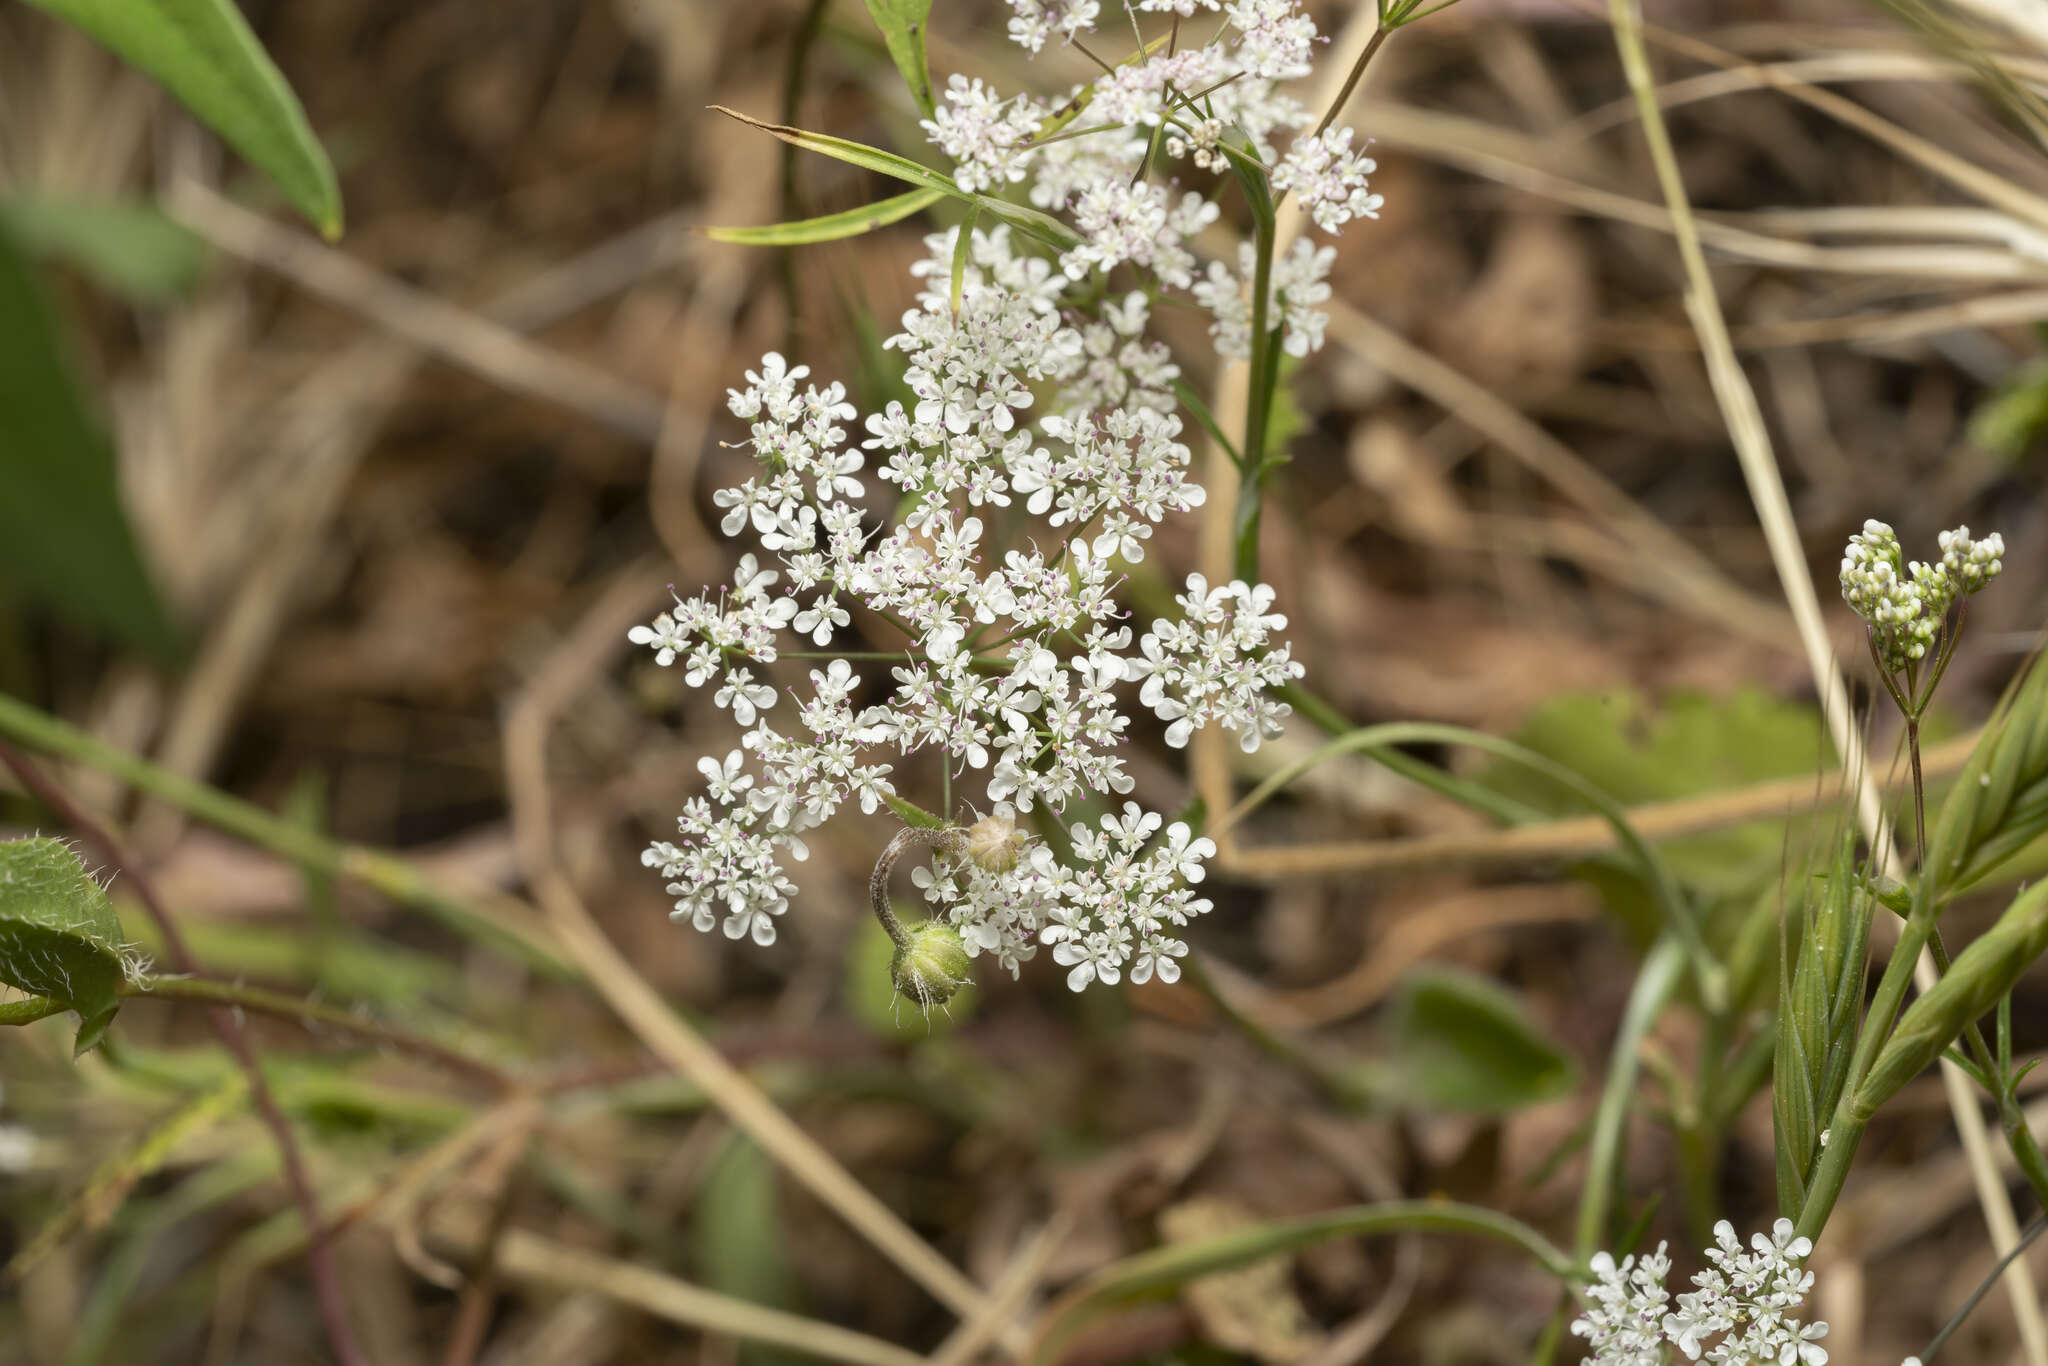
(1571, 838)
(1668, 567)
(571, 668)
(2018, 307)
(1974, 180)
(1767, 491)
(525, 1256)
(1832, 68)
(332, 418)
(1012, 1289)
(1480, 149)
(463, 338)
(1412, 939)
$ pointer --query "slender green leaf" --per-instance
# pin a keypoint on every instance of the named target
(910, 813)
(1980, 974)
(59, 936)
(1028, 220)
(1459, 1042)
(1192, 401)
(1163, 1271)
(1607, 1142)
(831, 227)
(902, 23)
(63, 534)
(127, 246)
(203, 52)
(742, 1241)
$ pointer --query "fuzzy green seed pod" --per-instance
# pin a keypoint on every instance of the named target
(930, 965)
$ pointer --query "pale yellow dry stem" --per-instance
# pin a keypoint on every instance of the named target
(1525, 164)
(526, 1256)
(1012, 1289)
(1767, 491)
(1829, 69)
(1568, 838)
(1990, 310)
(580, 660)
(1972, 179)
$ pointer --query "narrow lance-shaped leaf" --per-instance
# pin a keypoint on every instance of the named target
(1999, 803)
(204, 54)
(127, 246)
(59, 936)
(831, 227)
(1980, 974)
(902, 23)
(1027, 220)
(63, 533)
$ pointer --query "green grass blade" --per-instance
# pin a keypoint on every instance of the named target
(903, 23)
(831, 227)
(1028, 220)
(1165, 1270)
(204, 53)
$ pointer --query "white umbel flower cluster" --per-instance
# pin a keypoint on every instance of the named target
(1905, 604)
(1739, 1312)
(1016, 663)
(1113, 154)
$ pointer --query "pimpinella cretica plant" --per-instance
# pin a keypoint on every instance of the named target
(1838, 1058)
(949, 572)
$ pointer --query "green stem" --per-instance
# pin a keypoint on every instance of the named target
(1372, 48)
(215, 992)
(1655, 981)
(1699, 1138)
(384, 873)
(1259, 407)
(212, 991)
(2033, 1231)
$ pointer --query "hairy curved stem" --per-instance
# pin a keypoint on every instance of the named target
(909, 837)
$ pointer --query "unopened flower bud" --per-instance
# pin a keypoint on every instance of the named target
(930, 965)
(994, 843)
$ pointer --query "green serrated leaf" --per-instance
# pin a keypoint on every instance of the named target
(1459, 1042)
(59, 936)
(127, 246)
(902, 23)
(831, 227)
(1042, 226)
(63, 534)
(204, 53)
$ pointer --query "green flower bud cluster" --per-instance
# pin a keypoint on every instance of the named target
(1906, 604)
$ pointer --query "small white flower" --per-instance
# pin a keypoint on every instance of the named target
(1329, 178)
